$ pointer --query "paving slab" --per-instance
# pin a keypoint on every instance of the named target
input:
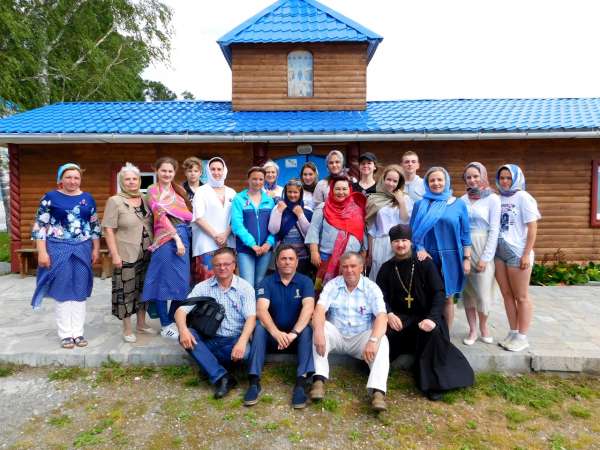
(564, 334)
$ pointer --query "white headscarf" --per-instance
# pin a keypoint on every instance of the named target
(211, 181)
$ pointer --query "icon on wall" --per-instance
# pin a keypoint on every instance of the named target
(300, 74)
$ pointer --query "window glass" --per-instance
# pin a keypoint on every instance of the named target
(300, 74)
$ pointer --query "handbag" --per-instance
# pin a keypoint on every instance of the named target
(152, 311)
(206, 317)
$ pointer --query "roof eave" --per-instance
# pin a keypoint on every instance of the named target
(107, 138)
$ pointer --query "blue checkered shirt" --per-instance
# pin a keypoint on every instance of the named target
(352, 312)
(239, 301)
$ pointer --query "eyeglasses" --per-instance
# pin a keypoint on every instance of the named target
(225, 265)
(294, 183)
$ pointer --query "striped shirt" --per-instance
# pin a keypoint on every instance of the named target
(239, 301)
(352, 312)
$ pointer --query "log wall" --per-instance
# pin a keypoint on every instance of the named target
(558, 174)
(259, 77)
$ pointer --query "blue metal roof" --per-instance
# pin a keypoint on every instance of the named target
(379, 117)
(299, 21)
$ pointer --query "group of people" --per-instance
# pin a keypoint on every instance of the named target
(376, 265)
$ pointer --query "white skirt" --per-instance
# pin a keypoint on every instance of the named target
(382, 252)
(481, 287)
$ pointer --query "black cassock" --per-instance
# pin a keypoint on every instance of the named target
(439, 365)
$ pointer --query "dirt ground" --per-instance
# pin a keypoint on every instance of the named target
(171, 408)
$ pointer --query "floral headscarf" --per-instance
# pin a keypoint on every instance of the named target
(484, 189)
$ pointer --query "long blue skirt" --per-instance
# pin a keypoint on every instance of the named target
(168, 276)
(70, 275)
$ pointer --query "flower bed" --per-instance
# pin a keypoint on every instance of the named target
(555, 271)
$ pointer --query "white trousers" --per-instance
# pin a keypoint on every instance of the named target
(353, 345)
(70, 317)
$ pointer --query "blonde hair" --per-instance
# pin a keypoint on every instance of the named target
(191, 162)
(409, 153)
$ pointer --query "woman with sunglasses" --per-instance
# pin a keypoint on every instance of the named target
(289, 223)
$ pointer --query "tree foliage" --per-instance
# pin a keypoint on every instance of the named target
(187, 95)
(80, 50)
(155, 91)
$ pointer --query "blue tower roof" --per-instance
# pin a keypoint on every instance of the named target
(299, 21)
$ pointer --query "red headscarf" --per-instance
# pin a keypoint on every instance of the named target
(347, 214)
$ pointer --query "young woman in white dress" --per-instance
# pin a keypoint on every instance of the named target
(483, 206)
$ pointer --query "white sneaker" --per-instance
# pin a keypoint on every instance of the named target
(517, 344)
(170, 332)
(507, 339)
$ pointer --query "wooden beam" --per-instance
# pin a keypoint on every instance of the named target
(15, 205)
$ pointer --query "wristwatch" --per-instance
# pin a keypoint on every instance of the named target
(374, 340)
(295, 332)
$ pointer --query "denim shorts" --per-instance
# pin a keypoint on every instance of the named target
(505, 254)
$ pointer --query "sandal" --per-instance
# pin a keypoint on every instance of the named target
(80, 341)
(67, 343)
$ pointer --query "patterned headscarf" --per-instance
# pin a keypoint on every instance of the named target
(429, 212)
(62, 169)
(342, 172)
(518, 180)
(484, 189)
(211, 181)
(383, 196)
(128, 167)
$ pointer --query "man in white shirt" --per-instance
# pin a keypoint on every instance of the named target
(413, 183)
(355, 326)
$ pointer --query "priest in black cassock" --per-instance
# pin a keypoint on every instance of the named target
(414, 294)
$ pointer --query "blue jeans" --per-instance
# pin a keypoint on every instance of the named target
(253, 268)
(263, 343)
(210, 354)
(166, 319)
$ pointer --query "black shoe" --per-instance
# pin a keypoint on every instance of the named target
(224, 385)
(434, 396)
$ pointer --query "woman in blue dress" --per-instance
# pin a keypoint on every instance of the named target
(440, 226)
(67, 233)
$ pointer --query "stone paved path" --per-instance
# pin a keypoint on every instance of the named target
(564, 335)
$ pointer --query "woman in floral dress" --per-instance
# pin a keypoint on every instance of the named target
(67, 233)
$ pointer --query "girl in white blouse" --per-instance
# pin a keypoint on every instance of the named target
(211, 228)
(483, 206)
(388, 207)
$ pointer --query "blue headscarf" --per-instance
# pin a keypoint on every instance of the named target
(430, 212)
(518, 180)
(67, 166)
(288, 218)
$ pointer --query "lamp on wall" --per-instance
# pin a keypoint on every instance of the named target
(304, 149)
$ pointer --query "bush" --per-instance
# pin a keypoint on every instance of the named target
(561, 272)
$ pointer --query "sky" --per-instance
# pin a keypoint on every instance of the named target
(432, 49)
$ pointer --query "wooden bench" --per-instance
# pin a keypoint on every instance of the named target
(26, 256)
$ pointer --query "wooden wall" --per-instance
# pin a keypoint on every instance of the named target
(39, 165)
(558, 174)
(259, 77)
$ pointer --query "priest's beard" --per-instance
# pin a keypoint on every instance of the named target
(403, 256)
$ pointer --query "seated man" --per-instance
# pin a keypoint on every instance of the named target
(230, 343)
(286, 301)
(415, 295)
(355, 326)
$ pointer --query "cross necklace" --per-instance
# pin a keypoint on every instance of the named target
(409, 299)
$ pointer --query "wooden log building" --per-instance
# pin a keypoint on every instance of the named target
(299, 91)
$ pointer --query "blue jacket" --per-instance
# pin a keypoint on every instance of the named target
(251, 226)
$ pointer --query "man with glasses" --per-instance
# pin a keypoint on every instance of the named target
(230, 344)
(285, 304)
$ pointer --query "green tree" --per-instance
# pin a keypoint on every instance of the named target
(80, 50)
(155, 91)
(187, 95)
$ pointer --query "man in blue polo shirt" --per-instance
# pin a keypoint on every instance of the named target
(285, 303)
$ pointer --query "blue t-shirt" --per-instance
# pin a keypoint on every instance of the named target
(285, 301)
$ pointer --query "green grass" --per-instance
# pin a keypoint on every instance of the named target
(4, 247)
(580, 412)
(516, 416)
(70, 373)
(6, 370)
(60, 421)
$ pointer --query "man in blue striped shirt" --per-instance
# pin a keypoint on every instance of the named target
(355, 326)
(230, 343)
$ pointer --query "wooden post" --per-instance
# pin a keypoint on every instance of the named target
(259, 156)
(15, 206)
(352, 154)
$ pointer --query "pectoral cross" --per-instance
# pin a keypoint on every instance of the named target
(409, 299)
